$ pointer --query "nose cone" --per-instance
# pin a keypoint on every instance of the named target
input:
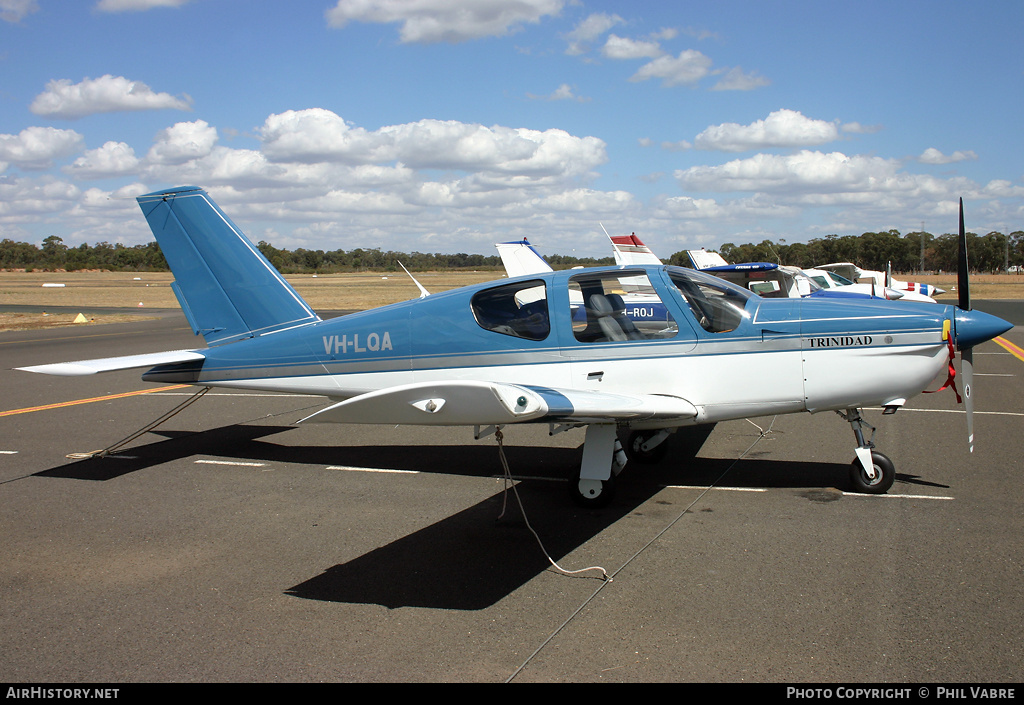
(933, 290)
(974, 327)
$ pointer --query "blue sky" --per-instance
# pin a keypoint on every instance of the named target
(449, 125)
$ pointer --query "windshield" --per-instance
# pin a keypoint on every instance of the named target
(718, 305)
(841, 281)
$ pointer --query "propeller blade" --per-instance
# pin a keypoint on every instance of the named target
(967, 377)
(963, 288)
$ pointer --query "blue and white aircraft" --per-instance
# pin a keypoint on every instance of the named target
(774, 280)
(910, 290)
(510, 351)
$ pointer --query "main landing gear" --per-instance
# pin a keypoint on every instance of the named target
(605, 453)
(871, 472)
(603, 458)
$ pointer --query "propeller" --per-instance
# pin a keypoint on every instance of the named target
(972, 328)
(963, 290)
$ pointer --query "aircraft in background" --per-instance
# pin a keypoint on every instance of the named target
(628, 250)
(513, 351)
(913, 291)
(774, 280)
(632, 299)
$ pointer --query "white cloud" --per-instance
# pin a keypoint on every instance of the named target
(112, 159)
(680, 146)
(563, 92)
(63, 99)
(616, 47)
(782, 128)
(736, 80)
(592, 27)
(38, 147)
(934, 156)
(183, 142)
(431, 21)
(823, 175)
(686, 69)
(855, 128)
(16, 10)
(136, 5)
(26, 200)
(318, 135)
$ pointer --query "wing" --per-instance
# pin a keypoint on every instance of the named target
(846, 270)
(111, 364)
(469, 403)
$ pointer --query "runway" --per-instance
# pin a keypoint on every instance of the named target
(231, 545)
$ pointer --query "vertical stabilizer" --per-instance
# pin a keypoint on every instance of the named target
(629, 250)
(702, 259)
(520, 258)
(225, 285)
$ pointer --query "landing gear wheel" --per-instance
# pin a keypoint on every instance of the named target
(885, 475)
(636, 453)
(591, 494)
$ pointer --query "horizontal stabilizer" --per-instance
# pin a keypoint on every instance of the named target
(112, 364)
(226, 287)
(470, 403)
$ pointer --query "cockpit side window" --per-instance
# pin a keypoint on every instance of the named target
(610, 307)
(717, 305)
(519, 310)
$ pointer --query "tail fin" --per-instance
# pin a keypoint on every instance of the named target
(629, 250)
(226, 287)
(520, 258)
(702, 259)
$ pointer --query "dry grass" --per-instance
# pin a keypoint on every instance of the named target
(153, 290)
(983, 286)
(324, 292)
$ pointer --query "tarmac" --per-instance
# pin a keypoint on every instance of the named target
(230, 545)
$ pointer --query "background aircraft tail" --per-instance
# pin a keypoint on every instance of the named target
(520, 258)
(226, 287)
(629, 250)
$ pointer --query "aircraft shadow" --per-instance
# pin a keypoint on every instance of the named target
(243, 442)
(472, 559)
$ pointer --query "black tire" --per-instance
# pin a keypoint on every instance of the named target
(881, 484)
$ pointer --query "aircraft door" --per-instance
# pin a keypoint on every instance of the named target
(619, 332)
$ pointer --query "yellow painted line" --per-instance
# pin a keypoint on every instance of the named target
(1010, 347)
(62, 404)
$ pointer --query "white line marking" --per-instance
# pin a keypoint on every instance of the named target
(724, 489)
(8, 452)
(763, 489)
(529, 477)
(355, 469)
(897, 496)
(230, 462)
(961, 411)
